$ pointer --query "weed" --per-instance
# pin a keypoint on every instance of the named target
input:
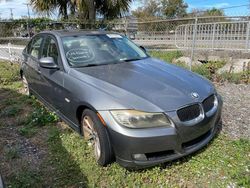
(10, 111)
(209, 69)
(243, 77)
(27, 131)
(41, 116)
(25, 178)
(12, 153)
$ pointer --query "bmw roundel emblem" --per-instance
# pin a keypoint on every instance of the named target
(195, 95)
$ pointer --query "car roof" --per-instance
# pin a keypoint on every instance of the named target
(63, 33)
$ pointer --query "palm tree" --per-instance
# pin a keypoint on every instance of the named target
(85, 9)
(49, 6)
(111, 9)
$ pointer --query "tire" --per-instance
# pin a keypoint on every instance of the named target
(1, 182)
(97, 136)
(25, 86)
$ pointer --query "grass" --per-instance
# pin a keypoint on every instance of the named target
(220, 164)
(39, 117)
(25, 178)
(10, 111)
(166, 56)
(8, 73)
(68, 160)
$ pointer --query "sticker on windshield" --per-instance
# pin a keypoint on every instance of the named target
(79, 55)
(113, 36)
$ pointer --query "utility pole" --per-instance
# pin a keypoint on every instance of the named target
(11, 13)
(28, 29)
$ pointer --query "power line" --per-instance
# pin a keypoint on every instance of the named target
(225, 8)
(236, 6)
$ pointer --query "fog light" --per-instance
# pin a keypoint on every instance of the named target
(140, 157)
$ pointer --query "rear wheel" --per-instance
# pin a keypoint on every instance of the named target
(97, 137)
(25, 86)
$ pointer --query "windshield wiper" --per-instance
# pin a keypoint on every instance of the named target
(92, 65)
(133, 59)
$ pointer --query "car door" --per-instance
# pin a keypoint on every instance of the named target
(51, 85)
(31, 68)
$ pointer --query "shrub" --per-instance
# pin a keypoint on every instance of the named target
(8, 72)
(209, 69)
(166, 55)
(243, 77)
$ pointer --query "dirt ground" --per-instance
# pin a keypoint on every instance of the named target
(236, 109)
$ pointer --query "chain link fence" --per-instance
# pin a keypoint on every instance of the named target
(218, 33)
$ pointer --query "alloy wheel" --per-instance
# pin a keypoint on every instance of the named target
(25, 86)
(91, 135)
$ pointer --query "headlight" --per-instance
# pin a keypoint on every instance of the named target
(139, 119)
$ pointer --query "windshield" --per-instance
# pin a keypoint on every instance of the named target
(88, 50)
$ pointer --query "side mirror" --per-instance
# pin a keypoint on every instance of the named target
(48, 63)
(143, 48)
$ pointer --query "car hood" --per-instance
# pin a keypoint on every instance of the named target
(164, 85)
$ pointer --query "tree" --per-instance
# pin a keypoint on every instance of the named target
(174, 8)
(49, 6)
(84, 9)
(207, 13)
(214, 12)
(150, 10)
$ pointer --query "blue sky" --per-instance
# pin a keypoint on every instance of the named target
(205, 4)
(19, 9)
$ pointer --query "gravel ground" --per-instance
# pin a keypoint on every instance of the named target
(236, 109)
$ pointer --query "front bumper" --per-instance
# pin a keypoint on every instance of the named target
(160, 145)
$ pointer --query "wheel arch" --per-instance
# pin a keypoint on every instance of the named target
(79, 111)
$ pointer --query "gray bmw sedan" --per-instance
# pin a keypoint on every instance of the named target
(128, 106)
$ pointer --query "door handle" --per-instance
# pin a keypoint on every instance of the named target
(39, 71)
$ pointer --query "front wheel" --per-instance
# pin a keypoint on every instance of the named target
(97, 136)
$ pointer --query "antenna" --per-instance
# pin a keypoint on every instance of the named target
(11, 13)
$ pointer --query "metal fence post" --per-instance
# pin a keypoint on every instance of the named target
(9, 50)
(247, 36)
(214, 26)
(193, 43)
(185, 36)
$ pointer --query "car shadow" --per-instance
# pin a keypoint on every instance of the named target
(42, 153)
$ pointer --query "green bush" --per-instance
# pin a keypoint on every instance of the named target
(209, 69)
(9, 72)
(166, 55)
(243, 77)
(41, 116)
